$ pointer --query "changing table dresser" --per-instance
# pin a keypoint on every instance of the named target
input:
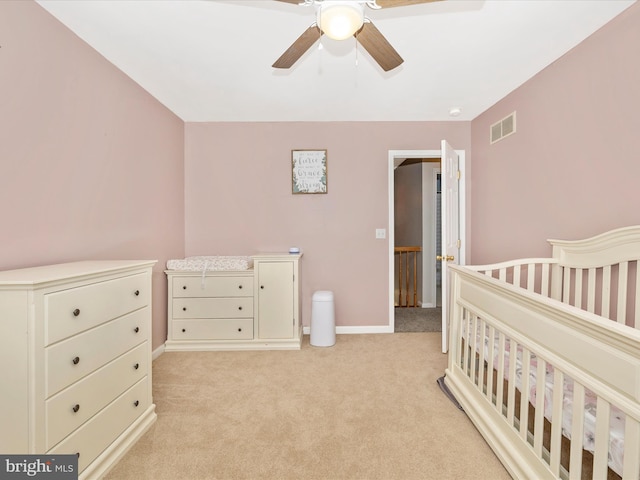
(252, 309)
(75, 347)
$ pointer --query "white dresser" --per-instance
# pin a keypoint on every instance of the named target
(75, 348)
(256, 309)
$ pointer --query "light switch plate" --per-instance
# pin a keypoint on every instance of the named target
(381, 233)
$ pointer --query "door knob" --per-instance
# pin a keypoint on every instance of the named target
(448, 258)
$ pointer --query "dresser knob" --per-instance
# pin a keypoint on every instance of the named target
(240, 287)
(136, 403)
(75, 408)
(239, 308)
(76, 360)
(262, 287)
(184, 309)
(184, 287)
(239, 329)
(136, 293)
(76, 312)
(136, 366)
(137, 329)
(184, 330)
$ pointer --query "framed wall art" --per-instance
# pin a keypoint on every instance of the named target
(309, 171)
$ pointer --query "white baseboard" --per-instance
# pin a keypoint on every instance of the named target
(357, 330)
(157, 352)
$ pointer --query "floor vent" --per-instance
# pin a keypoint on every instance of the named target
(503, 128)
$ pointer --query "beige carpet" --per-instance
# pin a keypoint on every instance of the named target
(367, 408)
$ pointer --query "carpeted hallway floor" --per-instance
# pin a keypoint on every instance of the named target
(416, 319)
(367, 408)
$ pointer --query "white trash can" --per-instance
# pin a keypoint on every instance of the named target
(323, 319)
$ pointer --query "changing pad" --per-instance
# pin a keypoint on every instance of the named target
(214, 263)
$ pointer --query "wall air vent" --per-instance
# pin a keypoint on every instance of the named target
(503, 128)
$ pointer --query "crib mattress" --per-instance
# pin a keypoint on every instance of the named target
(211, 263)
(617, 418)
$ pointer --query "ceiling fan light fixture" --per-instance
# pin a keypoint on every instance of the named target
(340, 20)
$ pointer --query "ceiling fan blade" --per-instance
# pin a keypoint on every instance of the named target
(297, 2)
(299, 47)
(378, 47)
(398, 3)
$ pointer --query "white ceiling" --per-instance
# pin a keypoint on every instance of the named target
(210, 60)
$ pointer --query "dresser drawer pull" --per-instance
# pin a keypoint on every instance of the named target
(136, 403)
(136, 366)
(137, 329)
(136, 293)
(76, 360)
(75, 408)
(76, 312)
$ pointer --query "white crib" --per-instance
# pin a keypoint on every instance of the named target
(572, 320)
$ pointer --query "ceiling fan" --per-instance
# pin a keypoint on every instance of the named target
(341, 19)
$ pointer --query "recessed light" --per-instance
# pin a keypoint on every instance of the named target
(455, 111)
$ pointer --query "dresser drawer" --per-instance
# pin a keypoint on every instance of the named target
(73, 406)
(77, 309)
(72, 359)
(213, 286)
(98, 433)
(213, 329)
(238, 307)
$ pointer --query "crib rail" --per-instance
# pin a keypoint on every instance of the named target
(514, 359)
(533, 274)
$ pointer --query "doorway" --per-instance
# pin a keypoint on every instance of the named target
(433, 158)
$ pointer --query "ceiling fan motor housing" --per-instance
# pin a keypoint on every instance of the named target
(340, 19)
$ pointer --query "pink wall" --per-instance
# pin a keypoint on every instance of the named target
(572, 169)
(91, 166)
(238, 201)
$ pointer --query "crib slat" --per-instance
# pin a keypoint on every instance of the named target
(606, 290)
(516, 275)
(502, 274)
(601, 454)
(566, 285)
(531, 276)
(511, 385)
(482, 329)
(544, 287)
(577, 301)
(473, 341)
(500, 373)
(591, 290)
(631, 468)
(556, 423)
(524, 394)
(577, 432)
(490, 362)
(623, 274)
(467, 331)
(538, 427)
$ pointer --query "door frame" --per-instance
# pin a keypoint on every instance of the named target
(396, 157)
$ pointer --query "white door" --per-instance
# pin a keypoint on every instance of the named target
(450, 212)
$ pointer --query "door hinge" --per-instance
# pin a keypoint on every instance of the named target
(459, 174)
(459, 243)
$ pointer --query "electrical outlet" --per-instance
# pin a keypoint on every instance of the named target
(381, 233)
